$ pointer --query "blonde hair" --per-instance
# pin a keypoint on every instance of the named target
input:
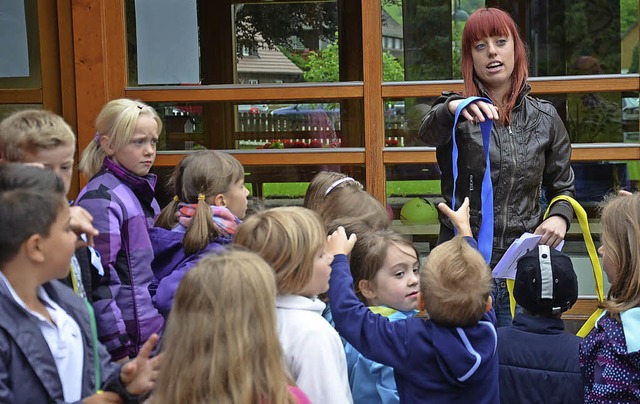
(621, 238)
(321, 182)
(117, 121)
(455, 283)
(288, 238)
(370, 252)
(31, 129)
(220, 343)
(207, 173)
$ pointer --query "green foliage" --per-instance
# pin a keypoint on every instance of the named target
(628, 14)
(324, 66)
(634, 60)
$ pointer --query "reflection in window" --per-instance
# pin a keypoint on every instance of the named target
(564, 38)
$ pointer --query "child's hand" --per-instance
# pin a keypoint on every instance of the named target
(338, 243)
(459, 218)
(139, 375)
(106, 397)
(81, 223)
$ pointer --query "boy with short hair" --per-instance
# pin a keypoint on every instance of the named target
(538, 360)
(42, 137)
(450, 357)
(48, 352)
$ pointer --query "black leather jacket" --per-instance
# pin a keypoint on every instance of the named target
(533, 152)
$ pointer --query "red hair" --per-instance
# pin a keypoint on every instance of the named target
(484, 23)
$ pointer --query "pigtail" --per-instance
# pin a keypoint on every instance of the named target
(167, 218)
(92, 158)
(201, 229)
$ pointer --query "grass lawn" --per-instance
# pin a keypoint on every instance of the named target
(394, 188)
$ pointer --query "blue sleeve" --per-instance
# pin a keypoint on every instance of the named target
(371, 334)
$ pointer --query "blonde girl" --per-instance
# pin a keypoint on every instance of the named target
(385, 269)
(210, 200)
(221, 343)
(120, 197)
(292, 240)
(610, 354)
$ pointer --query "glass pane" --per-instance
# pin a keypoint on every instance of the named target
(609, 117)
(564, 38)
(253, 43)
(8, 109)
(303, 124)
(34, 80)
(269, 186)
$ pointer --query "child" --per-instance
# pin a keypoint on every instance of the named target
(120, 196)
(385, 268)
(538, 360)
(292, 240)
(221, 343)
(337, 197)
(38, 136)
(210, 201)
(610, 354)
(48, 353)
(450, 357)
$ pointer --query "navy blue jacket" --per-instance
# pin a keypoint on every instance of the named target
(538, 362)
(432, 363)
(28, 372)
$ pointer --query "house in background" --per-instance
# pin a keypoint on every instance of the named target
(263, 65)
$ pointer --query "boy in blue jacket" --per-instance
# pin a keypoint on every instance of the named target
(538, 359)
(449, 357)
(48, 352)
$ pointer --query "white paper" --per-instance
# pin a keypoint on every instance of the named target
(14, 48)
(507, 266)
(167, 42)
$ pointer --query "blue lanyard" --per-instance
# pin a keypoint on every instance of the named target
(485, 235)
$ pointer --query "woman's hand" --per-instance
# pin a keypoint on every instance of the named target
(338, 243)
(553, 231)
(459, 218)
(476, 111)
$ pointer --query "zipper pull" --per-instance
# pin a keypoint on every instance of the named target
(470, 182)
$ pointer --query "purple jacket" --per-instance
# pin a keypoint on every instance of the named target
(170, 264)
(610, 359)
(123, 207)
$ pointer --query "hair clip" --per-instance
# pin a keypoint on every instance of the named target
(176, 199)
(140, 106)
(336, 183)
(96, 137)
(201, 197)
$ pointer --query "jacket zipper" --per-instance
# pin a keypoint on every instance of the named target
(508, 194)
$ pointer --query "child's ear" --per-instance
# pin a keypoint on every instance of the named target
(218, 200)
(489, 304)
(33, 248)
(106, 146)
(366, 290)
(421, 304)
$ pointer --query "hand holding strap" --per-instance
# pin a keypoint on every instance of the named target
(485, 235)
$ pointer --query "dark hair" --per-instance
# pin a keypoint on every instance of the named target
(30, 199)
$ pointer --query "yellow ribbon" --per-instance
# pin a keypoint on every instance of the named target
(593, 257)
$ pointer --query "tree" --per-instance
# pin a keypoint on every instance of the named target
(323, 66)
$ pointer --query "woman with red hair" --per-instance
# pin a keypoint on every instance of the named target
(530, 151)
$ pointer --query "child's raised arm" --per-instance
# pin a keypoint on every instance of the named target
(459, 218)
(338, 243)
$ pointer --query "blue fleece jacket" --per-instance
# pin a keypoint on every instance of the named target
(432, 363)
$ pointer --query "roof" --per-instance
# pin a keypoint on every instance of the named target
(268, 61)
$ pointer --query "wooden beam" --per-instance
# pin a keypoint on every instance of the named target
(20, 96)
(248, 93)
(373, 108)
(278, 158)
